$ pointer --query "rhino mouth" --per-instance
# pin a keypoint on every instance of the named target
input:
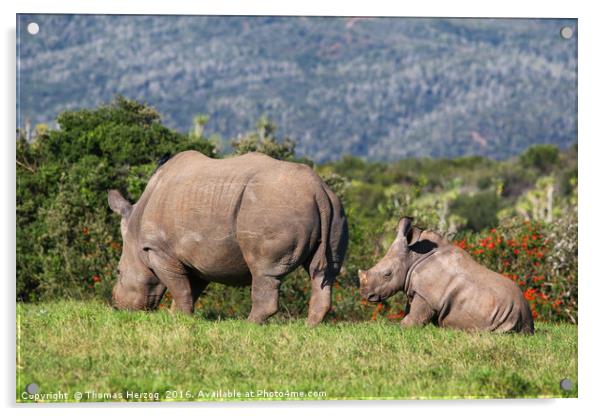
(374, 298)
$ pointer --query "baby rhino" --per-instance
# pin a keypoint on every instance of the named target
(445, 285)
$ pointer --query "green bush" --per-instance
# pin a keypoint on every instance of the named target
(479, 209)
(67, 238)
(68, 241)
(543, 157)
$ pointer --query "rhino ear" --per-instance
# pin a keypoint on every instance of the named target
(119, 204)
(404, 227)
(405, 224)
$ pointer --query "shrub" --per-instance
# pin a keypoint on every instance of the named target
(542, 157)
(263, 140)
(480, 210)
(67, 238)
(68, 241)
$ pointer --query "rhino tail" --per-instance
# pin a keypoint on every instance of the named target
(319, 263)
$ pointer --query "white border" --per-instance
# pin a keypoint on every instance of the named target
(590, 93)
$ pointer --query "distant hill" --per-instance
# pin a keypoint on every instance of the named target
(383, 88)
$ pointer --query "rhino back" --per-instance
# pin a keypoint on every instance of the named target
(206, 212)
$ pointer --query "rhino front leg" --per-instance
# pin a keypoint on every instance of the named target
(197, 286)
(264, 295)
(321, 299)
(420, 313)
(173, 275)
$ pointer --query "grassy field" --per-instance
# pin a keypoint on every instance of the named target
(72, 347)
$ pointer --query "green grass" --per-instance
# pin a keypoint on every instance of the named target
(82, 347)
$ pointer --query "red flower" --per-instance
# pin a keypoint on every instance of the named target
(399, 315)
(86, 231)
(530, 294)
(376, 311)
(96, 278)
(516, 251)
(461, 244)
(490, 245)
(493, 231)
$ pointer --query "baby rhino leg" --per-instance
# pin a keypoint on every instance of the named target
(420, 313)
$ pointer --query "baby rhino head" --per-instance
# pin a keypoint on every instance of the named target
(388, 275)
(137, 287)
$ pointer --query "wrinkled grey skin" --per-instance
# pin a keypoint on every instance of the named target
(246, 220)
(445, 285)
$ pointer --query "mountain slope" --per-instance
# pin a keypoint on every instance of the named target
(384, 88)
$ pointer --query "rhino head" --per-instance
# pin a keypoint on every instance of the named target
(137, 287)
(388, 275)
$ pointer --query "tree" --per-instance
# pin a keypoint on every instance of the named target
(542, 157)
(263, 140)
(67, 238)
(480, 209)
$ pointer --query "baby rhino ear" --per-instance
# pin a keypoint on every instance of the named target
(119, 204)
(405, 224)
(401, 240)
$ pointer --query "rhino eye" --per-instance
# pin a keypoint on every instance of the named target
(388, 274)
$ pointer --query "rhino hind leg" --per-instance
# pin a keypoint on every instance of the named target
(321, 299)
(526, 321)
(264, 297)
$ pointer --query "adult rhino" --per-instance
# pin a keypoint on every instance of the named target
(445, 285)
(246, 220)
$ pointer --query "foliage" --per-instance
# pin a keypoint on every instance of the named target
(68, 241)
(542, 157)
(263, 140)
(60, 341)
(480, 209)
(67, 238)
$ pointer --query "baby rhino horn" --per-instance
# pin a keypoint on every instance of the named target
(362, 275)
